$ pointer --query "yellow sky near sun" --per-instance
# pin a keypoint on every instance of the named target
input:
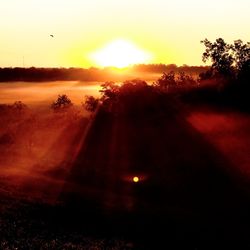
(169, 30)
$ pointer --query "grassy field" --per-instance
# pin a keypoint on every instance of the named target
(28, 224)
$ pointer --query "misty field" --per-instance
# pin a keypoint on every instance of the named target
(124, 126)
(35, 142)
(73, 172)
(43, 93)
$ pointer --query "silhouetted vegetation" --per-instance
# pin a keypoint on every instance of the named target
(113, 95)
(17, 107)
(227, 81)
(116, 96)
(170, 81)
(160, 68)
(222, 59)
(63, 103)
(231, 61)
(135, 98)
(28, 135)
(90, 103)
(92, 74)
(166, 81)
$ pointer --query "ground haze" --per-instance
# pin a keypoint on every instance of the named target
(147, 157)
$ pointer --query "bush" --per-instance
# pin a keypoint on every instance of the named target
(90, 103)
(172, 80)
(166, 81)
(19, 106)
(63, 103)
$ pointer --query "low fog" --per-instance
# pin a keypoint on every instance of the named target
(38, 144)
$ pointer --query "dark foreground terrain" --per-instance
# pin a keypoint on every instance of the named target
(187, 196)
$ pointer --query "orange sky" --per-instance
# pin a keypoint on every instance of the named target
(170, 31)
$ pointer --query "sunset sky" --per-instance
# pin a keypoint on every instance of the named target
(160, 31)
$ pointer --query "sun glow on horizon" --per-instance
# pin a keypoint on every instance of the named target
(120, 53)
(100, 33)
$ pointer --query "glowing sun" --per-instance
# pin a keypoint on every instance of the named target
(120, 53)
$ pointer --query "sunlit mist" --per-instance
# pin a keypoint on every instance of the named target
(120, 53)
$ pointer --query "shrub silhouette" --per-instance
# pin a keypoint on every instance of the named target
(171, 80)
(109, 90)
(13, 111)
(63, 103)
(90, 103)
(166, 81)
(134, 98)
(19, 107)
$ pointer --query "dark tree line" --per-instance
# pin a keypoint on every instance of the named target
(91, 74)
(230, 64)
(160, 68)
(52, 74)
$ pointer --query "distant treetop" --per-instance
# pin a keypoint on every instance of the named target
(228, 60)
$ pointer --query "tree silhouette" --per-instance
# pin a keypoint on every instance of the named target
(19, 107)
(109, 90)
(62, 103)
(185, 79)
(228, 60)
(90, 103)
(241, 54)
(134, 98)
(221, 56)
(170, 81)
(166, 80)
